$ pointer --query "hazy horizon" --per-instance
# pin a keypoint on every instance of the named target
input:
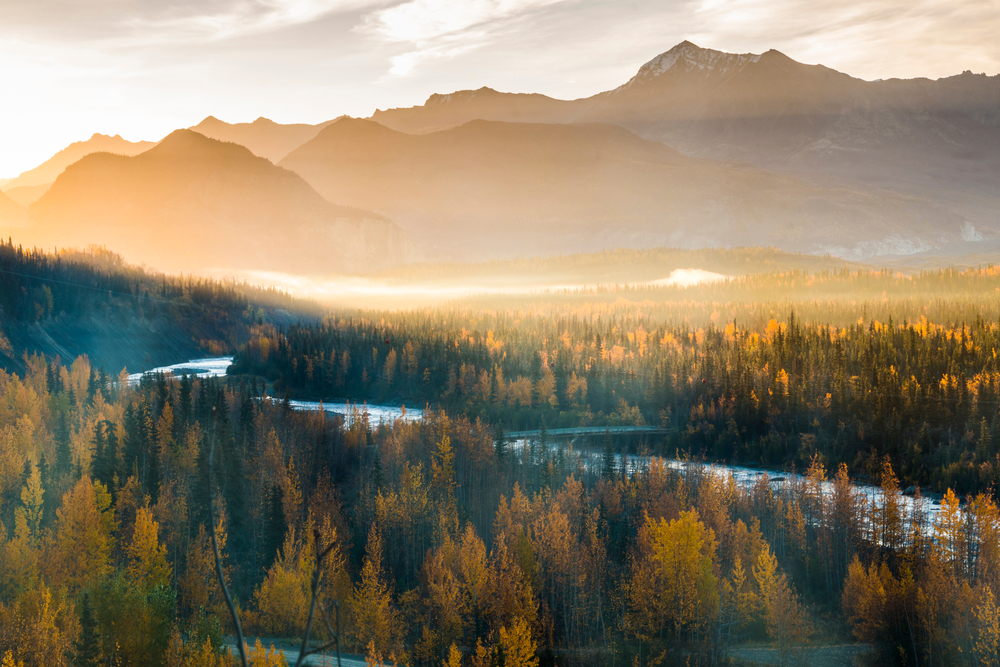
(146, 69)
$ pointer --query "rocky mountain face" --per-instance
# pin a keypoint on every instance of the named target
(194, 204)
(491, 189)
(936, 141)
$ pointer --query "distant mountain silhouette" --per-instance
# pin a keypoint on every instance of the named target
(12, 214)
(937, 140)
(263, 137)
(489, 189)
(194, 203)
(47, 172)
(26, 195)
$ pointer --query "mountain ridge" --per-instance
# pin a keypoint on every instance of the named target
(193, 203)
(263, 137)
(47, 172)
(936, 140)
(490, 189)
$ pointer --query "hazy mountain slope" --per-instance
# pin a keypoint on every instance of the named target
(934, 139)
(193, 203)
(26, 195)
(489, 189)
(444, 111)
(263, 137)
(12, 214)
(99, 143)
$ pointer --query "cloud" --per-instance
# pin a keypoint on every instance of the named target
(239, 18)
(151, 22)
(436, 29)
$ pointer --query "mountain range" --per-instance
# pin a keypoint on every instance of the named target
(263, 137)
(192, 203)
(935, 140)
(32, 184)
(699, 148)
(490, 189)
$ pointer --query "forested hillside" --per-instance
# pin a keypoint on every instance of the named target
(91, 302)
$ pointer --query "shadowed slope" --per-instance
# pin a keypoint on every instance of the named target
(193, 203)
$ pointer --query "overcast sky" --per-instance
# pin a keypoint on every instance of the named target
(141, 68)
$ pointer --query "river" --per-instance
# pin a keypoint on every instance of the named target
(744, 476)
(217, 367)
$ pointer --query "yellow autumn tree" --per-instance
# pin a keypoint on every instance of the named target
(473, 573)
(518, 646)
(513, 647)
(83, 537)
(148, 566)
(199, 585)
(674, 590)
(259, 656)
(282, 599)
(988, 635)
(454, 658)
(445, 599)
(376, 622)
(787, 622)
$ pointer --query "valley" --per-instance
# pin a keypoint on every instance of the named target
(696, 366)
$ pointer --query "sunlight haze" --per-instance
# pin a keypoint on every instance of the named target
(142, 69)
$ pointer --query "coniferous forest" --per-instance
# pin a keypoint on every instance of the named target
(440, 541)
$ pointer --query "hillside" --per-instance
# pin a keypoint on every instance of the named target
(489, 190)
(193, 203)
(92, 302)
(938, 140)
(263, 137)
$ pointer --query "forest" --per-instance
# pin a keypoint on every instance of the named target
(447, 545)
(130, 511)
(923, 392)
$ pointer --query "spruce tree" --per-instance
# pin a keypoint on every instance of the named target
(87, 646)
(64, 456)
(153, 473)
(91, 387)
(608, 457)
(277, 527)
(185, 400)
(378, 471)
(110, 462)
(97, 455)
(500, 443)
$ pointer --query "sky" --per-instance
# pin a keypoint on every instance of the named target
(141, 68)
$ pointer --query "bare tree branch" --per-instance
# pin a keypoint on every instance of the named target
(240, 642)
(304, 650)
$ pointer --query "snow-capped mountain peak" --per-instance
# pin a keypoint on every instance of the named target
(686, 57)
